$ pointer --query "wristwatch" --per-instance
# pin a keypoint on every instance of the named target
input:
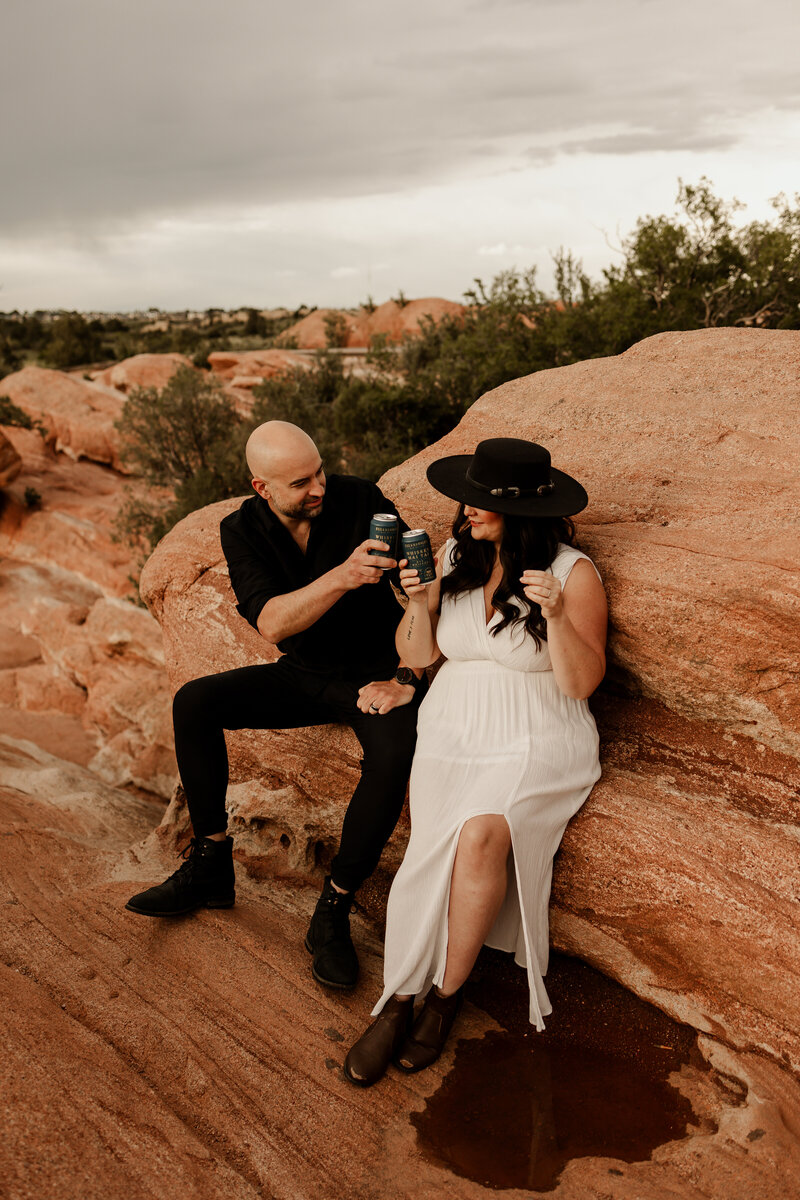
(405, 675)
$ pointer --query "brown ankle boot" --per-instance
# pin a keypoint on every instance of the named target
(368, 1059)
(427, 1039)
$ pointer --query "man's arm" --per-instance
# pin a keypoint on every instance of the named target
(282, 616)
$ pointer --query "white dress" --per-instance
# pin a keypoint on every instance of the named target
(495, 735)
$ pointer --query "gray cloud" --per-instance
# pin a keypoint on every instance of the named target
(116, 113)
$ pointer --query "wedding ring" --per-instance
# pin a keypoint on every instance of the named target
(373, 708)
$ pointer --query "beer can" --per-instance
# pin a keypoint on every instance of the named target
(383, 528)
(417, 549)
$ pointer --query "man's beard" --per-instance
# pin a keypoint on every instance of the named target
(299, 512)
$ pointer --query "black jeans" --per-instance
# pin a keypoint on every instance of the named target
(284, 696)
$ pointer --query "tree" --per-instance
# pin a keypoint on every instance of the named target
(9, 358)
(186, 440)
(72, 342)
(336, 329)
(255, 324)
(693, 268)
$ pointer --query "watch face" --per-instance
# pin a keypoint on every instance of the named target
(404, 675)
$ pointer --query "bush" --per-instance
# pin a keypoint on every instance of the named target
(336, 330)
(693, 269)
(10, 414)
(186, 440)
(72, 342)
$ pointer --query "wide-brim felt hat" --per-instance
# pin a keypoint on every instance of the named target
(508, 475)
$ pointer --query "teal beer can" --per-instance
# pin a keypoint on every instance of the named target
(417, 549)
(383, 528)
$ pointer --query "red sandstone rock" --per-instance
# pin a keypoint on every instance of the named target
(78, 416)
(72, 528)
(10, 461)
(246, 368)
(392, 320)
(310, 333)
(197, 1057)
(681, 872)
(142, 370)
(397, 322)
(111, 655)
(94, 688)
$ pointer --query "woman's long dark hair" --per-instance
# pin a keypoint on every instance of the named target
(528, 544)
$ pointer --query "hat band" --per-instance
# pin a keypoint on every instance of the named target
(544, 489)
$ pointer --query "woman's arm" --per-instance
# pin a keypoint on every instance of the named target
(577, 616)
(416, 634)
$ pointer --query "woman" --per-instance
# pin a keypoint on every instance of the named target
(507, 750)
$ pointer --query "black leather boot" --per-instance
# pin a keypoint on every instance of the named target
(205, 880)
(369, 1057)
(430, 1031)
(335, 962)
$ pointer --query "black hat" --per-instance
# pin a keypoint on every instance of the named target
(508, 475)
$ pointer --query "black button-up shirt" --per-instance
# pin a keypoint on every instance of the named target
(355, 637)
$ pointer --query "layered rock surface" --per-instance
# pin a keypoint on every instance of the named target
(198, 1057)
(680, 875)
(81, 666)
(77, 415)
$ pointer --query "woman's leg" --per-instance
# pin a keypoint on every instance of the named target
(477, 890)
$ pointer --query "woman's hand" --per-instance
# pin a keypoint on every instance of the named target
(409, 582)
(545, 590)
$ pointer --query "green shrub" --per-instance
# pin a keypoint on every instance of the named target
(72, 342)
(11, 414)
(692, 269)
(186, 440)
(336, 330)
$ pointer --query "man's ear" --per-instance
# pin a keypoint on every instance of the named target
(261, 488)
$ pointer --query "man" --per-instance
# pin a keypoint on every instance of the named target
(303, 577)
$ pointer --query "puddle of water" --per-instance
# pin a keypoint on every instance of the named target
(517, 1106)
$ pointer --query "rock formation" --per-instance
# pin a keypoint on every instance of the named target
(394, 321)
(397, 321)
(81, 666)
(77, 416)
(245, 368)
(10, 461)
(141, 370)
(681, 872)
(198, 1057)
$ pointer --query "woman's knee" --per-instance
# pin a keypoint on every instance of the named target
(485, 839)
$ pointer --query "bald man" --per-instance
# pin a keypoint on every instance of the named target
(297, 554)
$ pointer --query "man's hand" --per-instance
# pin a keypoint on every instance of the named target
(379, 698)
(362, 567)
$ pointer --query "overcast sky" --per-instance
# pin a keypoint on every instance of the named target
(187, 153)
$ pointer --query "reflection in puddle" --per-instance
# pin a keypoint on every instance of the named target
(517, 1106)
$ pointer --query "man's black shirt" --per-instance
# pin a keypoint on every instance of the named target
(355, 637)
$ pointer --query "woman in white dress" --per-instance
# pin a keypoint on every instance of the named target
(507, 750)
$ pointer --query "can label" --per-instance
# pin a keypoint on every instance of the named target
(417, 549)
(383, 528)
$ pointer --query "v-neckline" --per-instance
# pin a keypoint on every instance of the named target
(493, 612)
